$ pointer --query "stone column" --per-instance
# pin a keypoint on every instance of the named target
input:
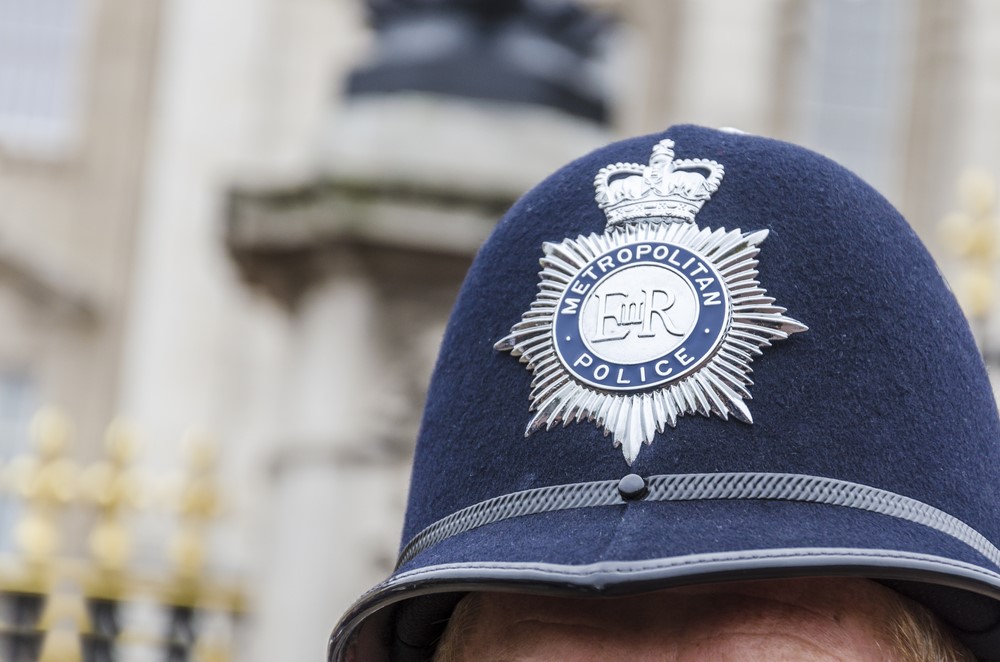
(328, 491)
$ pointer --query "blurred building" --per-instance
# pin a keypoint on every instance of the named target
(75, 85)
(248, 216)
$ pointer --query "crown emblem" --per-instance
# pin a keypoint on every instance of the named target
(666, 188)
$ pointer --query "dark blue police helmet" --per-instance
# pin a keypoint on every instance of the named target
(737, 361)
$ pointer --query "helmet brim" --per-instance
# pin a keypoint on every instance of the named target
(648, 546)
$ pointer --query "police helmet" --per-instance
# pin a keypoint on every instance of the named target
(694, 357)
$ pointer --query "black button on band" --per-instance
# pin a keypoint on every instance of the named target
(632, 487)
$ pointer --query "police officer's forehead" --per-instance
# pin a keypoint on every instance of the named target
(813, 619)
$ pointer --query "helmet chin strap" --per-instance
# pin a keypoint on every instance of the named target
(419, 624)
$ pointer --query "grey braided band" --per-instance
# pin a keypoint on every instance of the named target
(697, 487)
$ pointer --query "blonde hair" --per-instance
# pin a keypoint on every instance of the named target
(914, 634)
(911, 633)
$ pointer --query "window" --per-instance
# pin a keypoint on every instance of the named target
(855, 84)
(18, 403)
(41, 57)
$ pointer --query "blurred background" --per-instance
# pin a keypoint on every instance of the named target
(231, 232)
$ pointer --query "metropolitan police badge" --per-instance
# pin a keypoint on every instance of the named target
(653, 319)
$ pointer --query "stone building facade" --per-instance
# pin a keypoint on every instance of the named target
(76, 80)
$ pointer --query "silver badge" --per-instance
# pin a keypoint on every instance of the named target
(653, 319)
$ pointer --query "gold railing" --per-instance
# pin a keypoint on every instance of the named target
(70, 586)
(971, 235)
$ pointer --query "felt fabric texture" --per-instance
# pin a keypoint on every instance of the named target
(886, 388)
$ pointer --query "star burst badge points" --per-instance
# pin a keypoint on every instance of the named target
(653, 319)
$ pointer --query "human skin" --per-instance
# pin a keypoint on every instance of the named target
(796, 619)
